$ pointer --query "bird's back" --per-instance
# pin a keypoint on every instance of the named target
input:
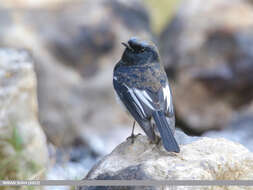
(151, 77)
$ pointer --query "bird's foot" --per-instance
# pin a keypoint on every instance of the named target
(132, 137)
(156, 141)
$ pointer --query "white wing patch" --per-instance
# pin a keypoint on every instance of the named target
(144, 97)
(142, 100)
(167, 97)
(141, 97)
(136, 101)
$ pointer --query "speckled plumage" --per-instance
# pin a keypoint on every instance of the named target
(149, 76)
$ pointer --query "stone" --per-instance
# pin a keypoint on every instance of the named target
(209, 54)
(23, 148)
(75, 51)
(204, 159)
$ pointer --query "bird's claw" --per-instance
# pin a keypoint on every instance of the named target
(132, 137)
(157, 140)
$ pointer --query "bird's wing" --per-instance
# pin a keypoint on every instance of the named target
(160, 101)
(138, 104)
(144, 104)
(165, 120)
(146, 101)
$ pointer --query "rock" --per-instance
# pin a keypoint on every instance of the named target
(23, 149)
(75, 52)
(205, 159)
(238, 130)
(210, 54)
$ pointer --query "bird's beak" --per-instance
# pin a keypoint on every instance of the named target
(126, 45)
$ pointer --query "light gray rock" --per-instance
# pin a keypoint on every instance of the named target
(204, 159)
(23, 149)
(210, 54)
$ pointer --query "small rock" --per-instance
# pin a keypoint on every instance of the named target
(204, 159)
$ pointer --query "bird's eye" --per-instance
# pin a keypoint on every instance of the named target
(138, 47)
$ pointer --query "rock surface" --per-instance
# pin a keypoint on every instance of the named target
(23, 149)
(75, 51)
(204, 159)
(210, 54)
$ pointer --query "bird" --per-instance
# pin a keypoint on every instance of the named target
(142, 86)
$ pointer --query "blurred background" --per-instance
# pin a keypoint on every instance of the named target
(58, 114)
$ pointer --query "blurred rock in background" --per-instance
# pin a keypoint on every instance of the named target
(75, 46)
(239, 129)
(207, 48)
(23, 149)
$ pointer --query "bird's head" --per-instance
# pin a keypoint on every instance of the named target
(139, 52)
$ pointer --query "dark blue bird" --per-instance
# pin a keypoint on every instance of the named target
(142, 86)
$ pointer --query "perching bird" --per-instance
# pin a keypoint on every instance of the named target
(142, 86)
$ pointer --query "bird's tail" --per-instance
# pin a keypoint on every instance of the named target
(168, 139)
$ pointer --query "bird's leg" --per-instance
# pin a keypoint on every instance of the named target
(132, 134)
(157, 138)
(133, 129)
